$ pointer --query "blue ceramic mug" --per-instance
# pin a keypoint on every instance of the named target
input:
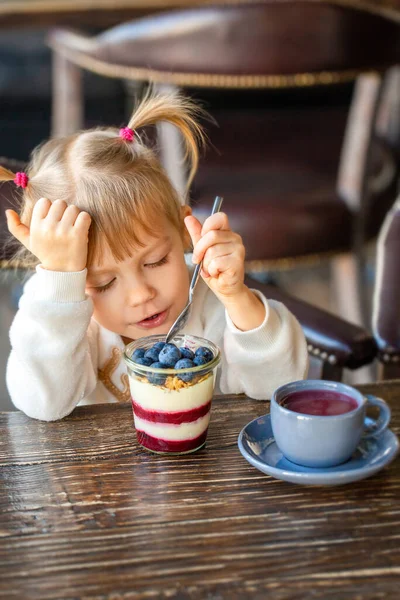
(320, 423)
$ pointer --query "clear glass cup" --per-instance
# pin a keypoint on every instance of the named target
(171, 408)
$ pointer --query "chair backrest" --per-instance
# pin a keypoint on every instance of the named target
(9, 195)
(386, 301)
(246, 45)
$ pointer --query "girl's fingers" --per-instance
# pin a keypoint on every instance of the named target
(193, 226)
(69, 217)
(213, 238)
(221, 264)
(83, 221)
(40, 211)
(16, 228)
(217, 251)
(218, 221)
(56, 212)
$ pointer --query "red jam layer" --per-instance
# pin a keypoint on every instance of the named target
(159, 445)
(173, 417)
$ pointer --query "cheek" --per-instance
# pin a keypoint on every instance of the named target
(177, 278)
(103, 305)
(99, 305)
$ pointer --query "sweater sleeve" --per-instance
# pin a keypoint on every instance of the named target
(258, 361)
(53, 360)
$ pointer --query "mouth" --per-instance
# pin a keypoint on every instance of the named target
(153, 321)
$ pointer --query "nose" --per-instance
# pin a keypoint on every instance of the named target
(140, 292)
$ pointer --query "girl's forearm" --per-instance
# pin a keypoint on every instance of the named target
(245, 310)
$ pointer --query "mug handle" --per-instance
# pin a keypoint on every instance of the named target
(383, 420)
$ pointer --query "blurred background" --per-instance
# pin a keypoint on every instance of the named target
(282, 129)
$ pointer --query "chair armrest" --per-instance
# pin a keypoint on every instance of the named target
(386, 302)
(330, 338)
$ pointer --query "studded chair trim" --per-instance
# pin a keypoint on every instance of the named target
(205, 79)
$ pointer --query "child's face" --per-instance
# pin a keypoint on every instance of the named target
(144, 294)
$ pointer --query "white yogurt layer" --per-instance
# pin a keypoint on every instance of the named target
(153, 397)
(172, 432)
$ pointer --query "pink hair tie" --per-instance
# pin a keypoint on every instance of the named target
(127, 134)
(21, 179)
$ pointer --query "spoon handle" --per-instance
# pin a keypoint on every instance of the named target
(196, 273)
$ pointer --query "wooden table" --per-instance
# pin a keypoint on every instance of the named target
(85, 513)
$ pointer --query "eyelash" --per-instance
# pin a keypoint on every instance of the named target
(161, 262)
(104, 288)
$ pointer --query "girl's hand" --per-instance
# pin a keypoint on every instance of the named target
(221, 251)
(57, 235)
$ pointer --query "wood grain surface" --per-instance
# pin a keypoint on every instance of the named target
(86, 513)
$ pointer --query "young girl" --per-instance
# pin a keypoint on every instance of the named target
(107, 233)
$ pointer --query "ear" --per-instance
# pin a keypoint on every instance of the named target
(186, 211)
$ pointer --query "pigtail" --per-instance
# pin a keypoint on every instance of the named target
(6, 175)
(178, 110)
(20, 179)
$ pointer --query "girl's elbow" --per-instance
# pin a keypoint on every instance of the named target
(41, 409)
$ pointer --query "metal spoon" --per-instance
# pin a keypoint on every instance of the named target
(183, 317)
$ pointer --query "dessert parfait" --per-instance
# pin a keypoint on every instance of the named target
(172, 387)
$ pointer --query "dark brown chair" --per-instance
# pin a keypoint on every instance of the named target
(277, 168)
(386, 304)
(333, 343)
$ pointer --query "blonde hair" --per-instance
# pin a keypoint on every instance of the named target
(111, 178)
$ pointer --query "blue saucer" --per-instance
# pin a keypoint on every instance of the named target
(257, 445)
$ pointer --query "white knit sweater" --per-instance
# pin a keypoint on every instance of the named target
(62, 357)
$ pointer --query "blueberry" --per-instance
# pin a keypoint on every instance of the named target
(200, 360)
(152, 353)
(169, 355)
(157, 378)
(143, 360)
(139, 353)
(187, 353)
(205, 353)
(159, 346)
(185, 363)
(158, 365)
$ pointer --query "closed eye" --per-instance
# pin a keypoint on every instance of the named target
(104, 288)
(159, 263)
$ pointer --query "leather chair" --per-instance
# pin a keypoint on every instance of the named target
(333, 343)
(386, 303)
(276, 167)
